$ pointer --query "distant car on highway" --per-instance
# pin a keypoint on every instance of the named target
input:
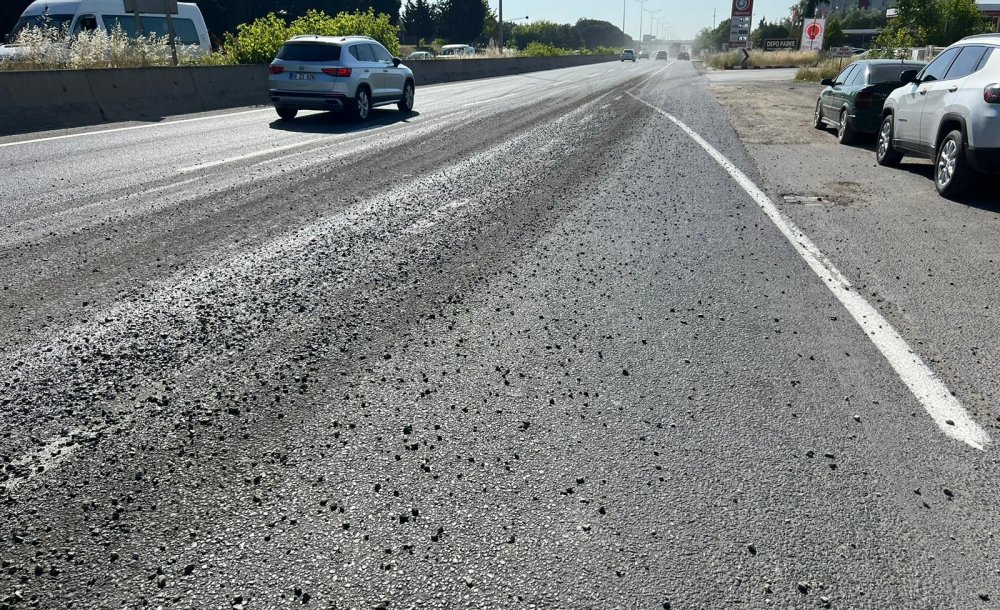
(948, 112)
(852, 102)
(661, 55)
(419, 56)
(643, 54)
(342, 73)
(628, 55)
(684, 55)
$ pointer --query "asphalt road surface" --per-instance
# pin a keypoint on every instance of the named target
(531, 346)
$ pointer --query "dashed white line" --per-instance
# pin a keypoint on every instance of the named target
(935, 397)
(132, 128)
(253, 155)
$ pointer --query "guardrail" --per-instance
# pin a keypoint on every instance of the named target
(59, 99)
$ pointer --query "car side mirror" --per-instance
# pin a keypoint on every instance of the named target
(396, 61)
(909, 76)
(827, 82)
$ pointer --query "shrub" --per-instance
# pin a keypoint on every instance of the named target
(826, 69)
(538, 49)
(732, 59)
(258, 42)
(54, 49)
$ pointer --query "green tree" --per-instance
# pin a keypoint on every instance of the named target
(765, 30)
(713, 40)
(417, 21)
(461, 20)
(834, 35)
(860, 19)
(562, 36)
(258, 42)
(933, 22)
(961, 18)
(595, 34)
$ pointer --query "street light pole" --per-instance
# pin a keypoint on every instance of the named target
(642, 4)
(501, 26)
(624, 35)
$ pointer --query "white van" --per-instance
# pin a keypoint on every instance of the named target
(457, 50)
(105, 15)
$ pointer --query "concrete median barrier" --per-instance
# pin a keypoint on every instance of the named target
(143, 94)
(36, 101)
(33, 101)
(230, 86)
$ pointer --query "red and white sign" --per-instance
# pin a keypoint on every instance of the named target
(742, 8)
(739, 29)
(812, 34)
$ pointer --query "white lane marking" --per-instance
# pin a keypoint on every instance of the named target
(253, 155)
(132, 128)
(946, 411)
(654, 74)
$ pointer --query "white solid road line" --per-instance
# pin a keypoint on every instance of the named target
(653, 75)
(253, 155)
(132, 128)
(946, 411)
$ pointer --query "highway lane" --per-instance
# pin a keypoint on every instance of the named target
(540, 352)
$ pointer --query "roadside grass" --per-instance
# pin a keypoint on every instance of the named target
(721, 61)
(826, 69)
(53, 49)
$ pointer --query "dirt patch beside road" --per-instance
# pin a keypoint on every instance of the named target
(772, 113)
(801, 165)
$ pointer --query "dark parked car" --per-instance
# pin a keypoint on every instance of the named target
(852, 102)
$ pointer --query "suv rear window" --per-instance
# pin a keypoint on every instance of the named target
(889, 73)
(309, 51)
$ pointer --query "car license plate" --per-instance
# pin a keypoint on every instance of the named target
(301, 76)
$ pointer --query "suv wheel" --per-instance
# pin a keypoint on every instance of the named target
(287, 114)
(406, 103)
(952, 174)
(885, 154)
(845, 133)
(362, 105)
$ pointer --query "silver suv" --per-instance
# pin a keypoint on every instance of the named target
(351, 73)
(948, 112)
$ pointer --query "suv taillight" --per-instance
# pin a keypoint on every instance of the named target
(343, 72)
(276, 69)
(992, 93)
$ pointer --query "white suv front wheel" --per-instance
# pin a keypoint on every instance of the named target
(952, 174)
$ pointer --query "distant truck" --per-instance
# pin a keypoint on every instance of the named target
(675, 49)
(78, 16)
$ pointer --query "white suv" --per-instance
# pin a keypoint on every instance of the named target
(344, 73)
(948, 112)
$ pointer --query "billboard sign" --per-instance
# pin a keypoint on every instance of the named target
(813, 31)
(781, 44)
(739, 32)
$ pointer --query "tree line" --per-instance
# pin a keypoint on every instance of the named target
(459, 21)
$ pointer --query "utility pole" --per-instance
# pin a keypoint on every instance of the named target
(624, 35)
(501, 26)
(642, 4)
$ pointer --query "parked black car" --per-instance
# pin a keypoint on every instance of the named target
(852, 102)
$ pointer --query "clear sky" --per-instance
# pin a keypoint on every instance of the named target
(682, 18)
